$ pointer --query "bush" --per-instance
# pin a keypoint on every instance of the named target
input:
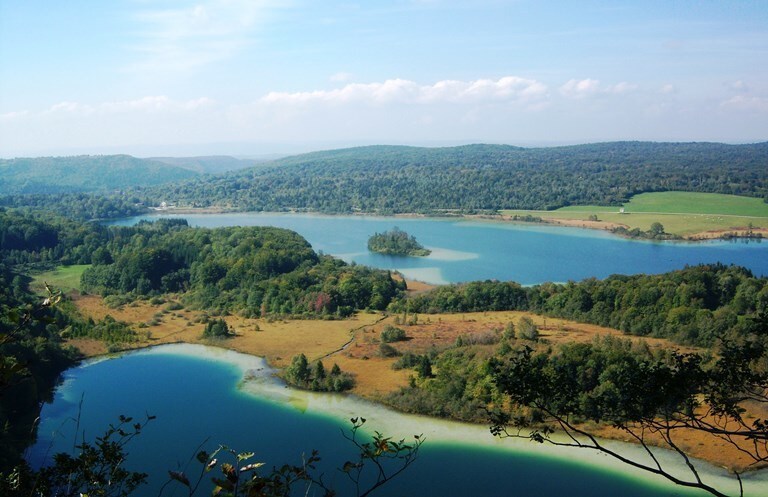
(386, 350)
(392, 334)
(526, 329)
(406, 361)
(217, 328)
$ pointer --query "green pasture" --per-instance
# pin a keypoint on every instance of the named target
(681, 213)
(64, 278)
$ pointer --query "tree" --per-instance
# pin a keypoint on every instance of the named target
(652, 397)
(392, 334)
(424, 367)
(527, 329)
(657, 229)
(298, 372)
(218, 328)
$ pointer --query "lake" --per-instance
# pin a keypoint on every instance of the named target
(202, 395)
(468, 250)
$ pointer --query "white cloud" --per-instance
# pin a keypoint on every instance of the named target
(146, 104)
(510, 88)
(340, 77)
(742, 102)
(580, 88)
(622, 87)
(186, 38)
(9, 116)
(668, 89)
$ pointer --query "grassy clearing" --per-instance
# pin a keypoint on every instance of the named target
(681, 213)
(64, 278)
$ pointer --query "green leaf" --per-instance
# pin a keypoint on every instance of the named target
(244, 456)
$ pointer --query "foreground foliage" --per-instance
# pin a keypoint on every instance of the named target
(655, 398)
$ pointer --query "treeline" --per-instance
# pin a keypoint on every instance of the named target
(696, 305)
(80, 206)
(388, 179)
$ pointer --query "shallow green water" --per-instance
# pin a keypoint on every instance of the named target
(199, 395)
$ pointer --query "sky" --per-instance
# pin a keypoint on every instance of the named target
(254, 77)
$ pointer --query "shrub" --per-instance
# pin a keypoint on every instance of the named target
(386, 350)
(526, 329)
(392, 334)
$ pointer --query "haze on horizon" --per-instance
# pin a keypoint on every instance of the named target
(242, 77)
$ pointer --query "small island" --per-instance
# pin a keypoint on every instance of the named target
(396, 242)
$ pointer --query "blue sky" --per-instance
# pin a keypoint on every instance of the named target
(254, 77)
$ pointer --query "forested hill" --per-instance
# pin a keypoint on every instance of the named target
(389, 179)
(211, 164)
(85, 173)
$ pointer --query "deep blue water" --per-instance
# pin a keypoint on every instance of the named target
(478, 250)
(200, 400)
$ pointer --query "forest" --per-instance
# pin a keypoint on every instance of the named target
(392, 179)
(473, 178)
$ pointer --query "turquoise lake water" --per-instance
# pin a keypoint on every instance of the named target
(479, 250)
(199, 397)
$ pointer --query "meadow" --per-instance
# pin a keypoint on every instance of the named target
(687, 214)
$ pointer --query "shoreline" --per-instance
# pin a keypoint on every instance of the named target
(736, 232)
(258, 380)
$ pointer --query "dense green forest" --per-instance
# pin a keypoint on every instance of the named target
(388, 179)
(84, 173)
(396, 242)
(256, 271)
(79, 206)
(391, 179)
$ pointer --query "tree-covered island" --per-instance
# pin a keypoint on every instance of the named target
(397, 242)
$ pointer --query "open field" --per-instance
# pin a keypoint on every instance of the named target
(691, 215)
(64, 278)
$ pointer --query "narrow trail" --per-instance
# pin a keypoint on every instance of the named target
(351, 338)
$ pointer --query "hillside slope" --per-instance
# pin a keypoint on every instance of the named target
(85, 173)
(391, 179)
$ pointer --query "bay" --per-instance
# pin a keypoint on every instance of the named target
(205, 396)
(471, 250)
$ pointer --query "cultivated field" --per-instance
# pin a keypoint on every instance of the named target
(691, 215)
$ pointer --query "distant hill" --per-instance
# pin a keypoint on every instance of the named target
(85, 173)
(212, 164)
(392, 179)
